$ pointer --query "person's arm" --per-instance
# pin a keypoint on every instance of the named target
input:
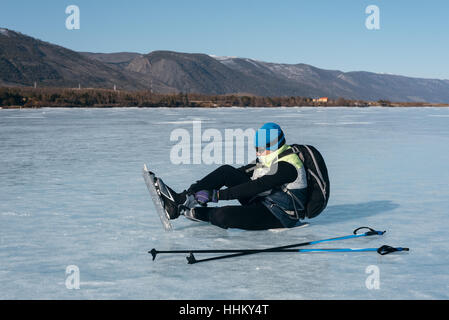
(285, 173)
(248, 169)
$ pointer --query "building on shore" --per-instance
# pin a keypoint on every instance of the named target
(322, 100)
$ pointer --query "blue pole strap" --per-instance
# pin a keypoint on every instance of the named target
(338, 250)
(371, 232)
(383, 250)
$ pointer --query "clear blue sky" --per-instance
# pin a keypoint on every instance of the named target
(331, 34)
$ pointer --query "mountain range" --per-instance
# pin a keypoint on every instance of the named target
(25, 60)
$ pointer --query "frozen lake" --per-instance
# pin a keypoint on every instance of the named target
(71, 193)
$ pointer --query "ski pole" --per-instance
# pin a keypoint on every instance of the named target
(383, 250)
(155, 252)
(239, 252)
(191, 258)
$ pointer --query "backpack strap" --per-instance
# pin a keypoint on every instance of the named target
(293, 149)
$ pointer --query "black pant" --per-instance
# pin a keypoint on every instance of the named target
(250, 215)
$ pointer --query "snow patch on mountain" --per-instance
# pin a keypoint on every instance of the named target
(221, 58)
(4, 32)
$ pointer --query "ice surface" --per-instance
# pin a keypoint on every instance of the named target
(71, 193)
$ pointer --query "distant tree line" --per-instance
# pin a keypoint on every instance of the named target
(56, 97)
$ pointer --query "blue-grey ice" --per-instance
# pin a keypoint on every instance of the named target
(72, 193)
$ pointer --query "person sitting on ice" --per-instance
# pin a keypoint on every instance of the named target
(272, 191)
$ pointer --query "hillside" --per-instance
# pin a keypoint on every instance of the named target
(25, 60)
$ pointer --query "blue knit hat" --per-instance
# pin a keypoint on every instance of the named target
(270, 137)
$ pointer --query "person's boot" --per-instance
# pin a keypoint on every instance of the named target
(173, 202)
(198, 214)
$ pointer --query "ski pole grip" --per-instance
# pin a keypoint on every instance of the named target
(153, 253)
(387, 249)
(371, 231)
(191, 258)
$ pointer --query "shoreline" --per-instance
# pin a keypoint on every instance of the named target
(36, 98)
(218, 107)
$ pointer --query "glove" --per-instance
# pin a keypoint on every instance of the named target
(205, 196)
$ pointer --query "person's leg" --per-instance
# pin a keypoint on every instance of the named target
(251, 217)
(224, 176)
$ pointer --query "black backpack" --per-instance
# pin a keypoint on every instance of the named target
(318, 186)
